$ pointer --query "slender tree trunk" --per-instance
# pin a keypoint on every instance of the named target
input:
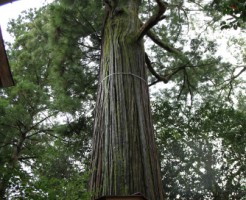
(3, 187)
(11, 166)
(124, 157)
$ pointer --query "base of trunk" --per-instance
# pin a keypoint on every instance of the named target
(132, 197)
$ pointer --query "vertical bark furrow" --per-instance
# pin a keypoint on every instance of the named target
(124, 152)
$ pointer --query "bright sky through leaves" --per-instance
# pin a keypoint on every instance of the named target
(12, 10)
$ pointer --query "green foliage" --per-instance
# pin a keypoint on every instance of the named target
(236, 9)
(59, 175)
(46, 119)
(202, 150)
(39, 153)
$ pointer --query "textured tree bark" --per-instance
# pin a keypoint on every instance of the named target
(124, 157)
(4, 183)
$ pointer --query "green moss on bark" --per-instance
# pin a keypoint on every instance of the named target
(124, 155)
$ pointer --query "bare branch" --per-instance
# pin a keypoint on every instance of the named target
(166, 46)
(230, 80)
(39, 122)
(169, 76)
(189, 85)
(6, 144)
(109, 3)
(153, 20)
(153, 83)
(233, 77)
(88, 46)
(27, 158)
(37, 132)
(230, 90)
(239, 73)
(182, 88)
(151, 69)
(186, 82)
(159, 78)
(55, 136)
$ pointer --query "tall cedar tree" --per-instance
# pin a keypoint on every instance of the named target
(125, 159)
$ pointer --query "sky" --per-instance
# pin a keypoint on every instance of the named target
(12, 10)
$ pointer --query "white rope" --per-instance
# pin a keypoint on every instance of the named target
(134, 75)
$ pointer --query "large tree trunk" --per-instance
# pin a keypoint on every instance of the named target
(124, 154)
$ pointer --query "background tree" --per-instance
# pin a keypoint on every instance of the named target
(40, 113)
(233, 13)
(202, 150)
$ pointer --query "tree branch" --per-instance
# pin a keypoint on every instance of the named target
(189, 85)
(153, 83)
(38, 123)
(230, 80)
(166, 46)
(159, 78)
(182, 88)
(109, 3)
(27, 158)
(151, 69)
(153, 20)
(6, 144)
(238, 74)
(186, 84)
(37, 132)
